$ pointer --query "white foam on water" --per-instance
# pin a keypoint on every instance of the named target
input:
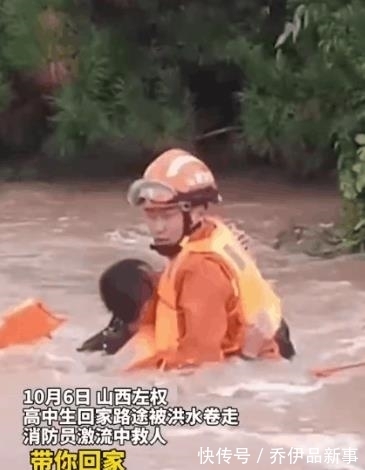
(278, 404)
(353, 348)
(223, 433)
(126, 238)
(25, 223)
(114, 236)
(60, 364)
(127, 241)
(329, 285)
(272, 387)
(304, 419)
(339, 326)
(353, 345)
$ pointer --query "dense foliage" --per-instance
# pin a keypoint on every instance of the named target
(132, 64)
(95, 70)
(306, 104)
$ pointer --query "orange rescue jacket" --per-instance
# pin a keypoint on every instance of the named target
(253, 314)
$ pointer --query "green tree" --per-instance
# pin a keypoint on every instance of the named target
(132, 62)
(306, 101)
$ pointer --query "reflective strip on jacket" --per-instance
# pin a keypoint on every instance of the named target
(252, 321)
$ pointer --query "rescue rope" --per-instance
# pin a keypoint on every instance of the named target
(326, 372)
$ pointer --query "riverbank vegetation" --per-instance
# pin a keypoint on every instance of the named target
(107, 83)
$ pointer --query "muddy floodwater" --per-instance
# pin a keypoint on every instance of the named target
(55, 239)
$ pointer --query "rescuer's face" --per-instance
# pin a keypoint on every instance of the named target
(165, 224)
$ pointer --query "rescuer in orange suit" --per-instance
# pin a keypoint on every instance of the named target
(210, 302)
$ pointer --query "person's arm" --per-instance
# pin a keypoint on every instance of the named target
(204, 290)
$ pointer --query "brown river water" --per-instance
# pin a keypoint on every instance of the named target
(55, 239)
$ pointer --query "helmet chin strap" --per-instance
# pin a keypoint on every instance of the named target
(173, 249)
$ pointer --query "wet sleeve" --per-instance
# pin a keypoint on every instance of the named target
(204, 290)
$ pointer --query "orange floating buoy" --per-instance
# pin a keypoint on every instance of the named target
(27, 323)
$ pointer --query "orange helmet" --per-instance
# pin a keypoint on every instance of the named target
(175, 177)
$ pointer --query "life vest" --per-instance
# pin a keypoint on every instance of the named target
(257, 311)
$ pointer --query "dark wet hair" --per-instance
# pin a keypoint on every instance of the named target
(125, 286)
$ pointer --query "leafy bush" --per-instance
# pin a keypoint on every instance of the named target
(306, 102)
(131, 63)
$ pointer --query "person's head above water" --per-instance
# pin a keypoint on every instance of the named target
(174, 192)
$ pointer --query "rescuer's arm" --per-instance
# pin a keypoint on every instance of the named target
(203, 293)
